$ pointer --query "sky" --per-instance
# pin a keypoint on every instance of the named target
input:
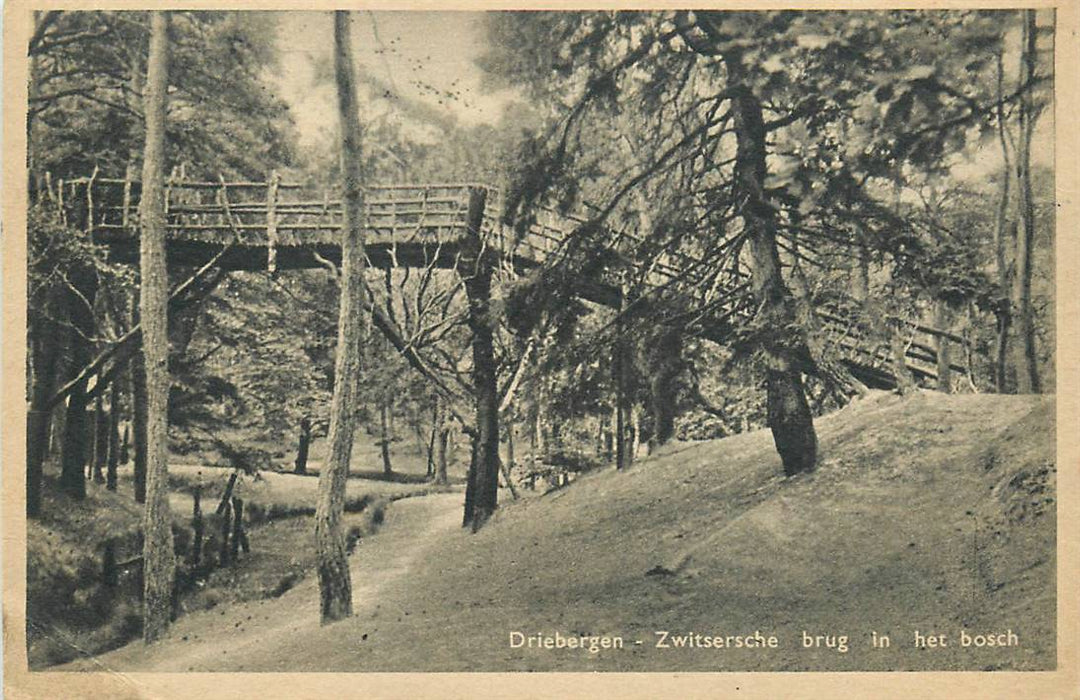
(421, 63)
(420, 70)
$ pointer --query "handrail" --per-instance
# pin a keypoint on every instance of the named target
(436, 208)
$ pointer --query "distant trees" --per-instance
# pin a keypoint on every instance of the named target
(88, 76)
(1029, 105)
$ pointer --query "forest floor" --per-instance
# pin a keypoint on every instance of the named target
(72, 614)
(929, 514)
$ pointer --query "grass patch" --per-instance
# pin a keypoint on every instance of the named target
(282, 555)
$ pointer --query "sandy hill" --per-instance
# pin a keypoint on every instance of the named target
(929, 513)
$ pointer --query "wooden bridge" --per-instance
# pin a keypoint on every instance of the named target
(278, 226)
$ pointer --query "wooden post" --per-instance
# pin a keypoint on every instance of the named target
(223, 504)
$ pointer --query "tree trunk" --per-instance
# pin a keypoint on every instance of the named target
(666, 360)
(508, 465)
(46, 354)
(384, 441)
(198, 529)
(58, 419)
(622, 459)
(538, 445)
(138, 422)
(440, 455)
(1003, 324)
(101, 440)
(476, 268)
(789, 413)
(470, 483)
(429, 470)
(158, 558)
(226, 532)
(74, 451)
(1027, 368)
(1004, 234)
(335, 585)
(509, 446)
(91, 439)
(125, 444)
(238, 530)
(300, 466)
(113, 458)
(608, 444)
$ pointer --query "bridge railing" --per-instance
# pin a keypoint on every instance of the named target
(277, 213)
(252, 211)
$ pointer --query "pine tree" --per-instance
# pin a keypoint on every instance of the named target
(335, 586)
(158, 559)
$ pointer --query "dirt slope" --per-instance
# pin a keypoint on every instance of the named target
(930, 513)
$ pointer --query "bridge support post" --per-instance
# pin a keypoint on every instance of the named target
(476, 267)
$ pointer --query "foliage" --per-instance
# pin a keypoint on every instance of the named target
(86, 94)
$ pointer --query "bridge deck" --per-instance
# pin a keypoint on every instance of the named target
(251, 224)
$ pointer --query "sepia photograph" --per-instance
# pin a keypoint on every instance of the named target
(633, 340)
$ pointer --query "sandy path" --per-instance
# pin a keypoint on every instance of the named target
(269, 635)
